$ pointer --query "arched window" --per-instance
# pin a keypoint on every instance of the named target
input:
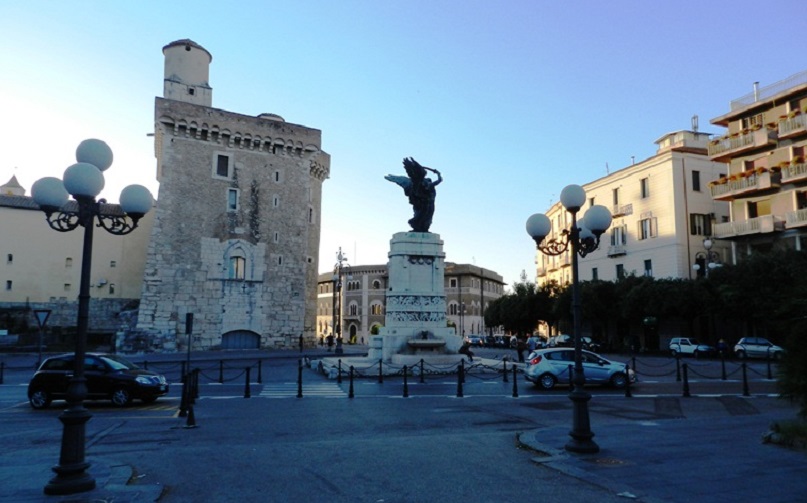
(353, 310)
(376, 309)
(376, 284)
(237, 264)
(452, 309)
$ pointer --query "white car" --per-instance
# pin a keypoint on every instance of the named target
(546, 367)
(689, 346)
(757, 347)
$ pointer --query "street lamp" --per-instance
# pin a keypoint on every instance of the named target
(709, 258)
(84, 181)
(341, 262)
(584, 238)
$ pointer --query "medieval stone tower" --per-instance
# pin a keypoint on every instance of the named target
(236, 234)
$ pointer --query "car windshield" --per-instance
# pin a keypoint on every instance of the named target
(118, 363)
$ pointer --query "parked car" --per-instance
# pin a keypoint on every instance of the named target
(757, 347)
(546, 367)
(109, 377)
(538, 342)
(591, 345)
(562, 340)
(690, 346)
(502, 341)
(474, 340)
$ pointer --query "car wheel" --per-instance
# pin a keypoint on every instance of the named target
(674, 353)
(547, 381)
(741, 354)
(121, 397)
(619, 380)
(40, 399)
(149, 399)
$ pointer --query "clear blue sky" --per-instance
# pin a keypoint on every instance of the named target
(510, 100)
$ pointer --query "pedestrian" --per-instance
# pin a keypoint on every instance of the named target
(521, 346)
(465, 349)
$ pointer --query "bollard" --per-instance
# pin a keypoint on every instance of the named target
(745, 382)
(633, 363)
(195, 384)
(191, 421)
(221, 371)
(677, 367)
(3, 371)
(380, 371)
(768, 353)
(504, 370)
(350, 390)
(462, 364)
(247, 390)
(406, 384)
(183, 401)
(339, 371)
(686, 381)
(627, 382)
(460, 378)
(571, 375)
(299, 378)
(515, 381)
(722, 365)
(422, 374)
(260, 371)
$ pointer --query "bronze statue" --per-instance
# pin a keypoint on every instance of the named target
(420, 190)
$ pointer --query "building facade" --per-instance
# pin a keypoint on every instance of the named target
(235, 241)
(469, 290)
(765, 182)
(662, 211)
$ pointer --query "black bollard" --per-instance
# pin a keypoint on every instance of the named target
(460, 379)
(195, 385)
(462, 363)
(422, 374)
(745, 382)
(768, 353)
(191, 421)
(406, 384)
(627, 382)
(221, 371)
(515, 381)
(686, 381)
(350, 390)
(677, 367)
(247, 390)
(722, 365)
(183, 401)
(260, 371)
(299, 378)
(504, 366)
(571, 375)
(380, 371)
(339, 371)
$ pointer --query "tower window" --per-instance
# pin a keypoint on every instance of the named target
(8, 285)
(191, 91)
(10, 258)
(222, 166)
(237, 267)
(232, 199)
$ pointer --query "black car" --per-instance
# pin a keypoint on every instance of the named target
(109, 377)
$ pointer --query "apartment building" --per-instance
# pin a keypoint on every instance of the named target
(662, 212)
(765, 184)
(469, 290)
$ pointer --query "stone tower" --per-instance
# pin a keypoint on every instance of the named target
(236, 235)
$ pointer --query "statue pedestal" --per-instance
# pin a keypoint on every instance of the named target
(415, 320)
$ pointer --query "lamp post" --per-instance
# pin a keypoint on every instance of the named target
(584, 238)
(41, 319)
(84, 181)
(709, 258)
(341, 262)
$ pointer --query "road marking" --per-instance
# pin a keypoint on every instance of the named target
(290, 389)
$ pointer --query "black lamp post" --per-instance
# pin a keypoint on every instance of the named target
(341, 262)
(710, 259)
(584, 238)
(84, 181)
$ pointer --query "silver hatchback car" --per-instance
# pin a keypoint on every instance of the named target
(546, 367)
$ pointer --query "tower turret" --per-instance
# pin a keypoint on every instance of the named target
(187, 70)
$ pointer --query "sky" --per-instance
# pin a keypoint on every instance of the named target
(510, 100)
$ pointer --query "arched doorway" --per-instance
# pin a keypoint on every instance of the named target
(240, 339)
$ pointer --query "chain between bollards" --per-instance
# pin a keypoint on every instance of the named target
(746, 392)
(406, 384)
(300, 378)
(686, 380)
(350, 390)
(460, 378)
(515, 381)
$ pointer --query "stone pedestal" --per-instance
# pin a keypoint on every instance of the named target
(415, 318)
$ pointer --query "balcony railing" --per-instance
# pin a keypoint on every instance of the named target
(726, 146)
(769, 91)
(617, 250)
(796, 218)
(743, 183)
(794, 172)
(758, 225)
(792, 125)
(620, 210)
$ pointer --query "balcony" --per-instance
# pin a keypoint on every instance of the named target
(796, 218)
(617, 251)
(745, 183)
(792, 126)
(794, 172)
(724, 148)
(620, 210)
(759, 225)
